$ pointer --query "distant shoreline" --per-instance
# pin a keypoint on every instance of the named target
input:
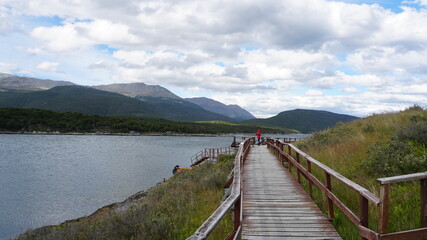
(122, 134)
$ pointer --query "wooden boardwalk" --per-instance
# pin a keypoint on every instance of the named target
(275, 206)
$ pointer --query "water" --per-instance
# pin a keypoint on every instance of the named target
(47, 179)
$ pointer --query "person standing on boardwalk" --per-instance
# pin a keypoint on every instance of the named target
(258, 135)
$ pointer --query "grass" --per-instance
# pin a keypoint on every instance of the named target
(172, 210)
(363, 151)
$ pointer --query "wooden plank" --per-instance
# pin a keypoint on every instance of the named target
(403, 178)
(275, 206)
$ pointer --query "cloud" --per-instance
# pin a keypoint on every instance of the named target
(48, 66)
(318, 54)
(7, 67)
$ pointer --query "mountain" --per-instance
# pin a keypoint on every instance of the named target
(8, 81)
(138, 89)
(93, 101)
(305, 121)
(232, 111)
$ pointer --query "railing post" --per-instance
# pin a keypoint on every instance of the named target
(383, 208)
(298, 171)
(423, 186)
(237, 214)
(364, 213)
(310, 183)
(330, 203)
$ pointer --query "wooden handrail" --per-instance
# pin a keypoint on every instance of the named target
(403, 178)
(233, 200)
(354, 186)
(327, 189)
(385, 202)
(366, 196)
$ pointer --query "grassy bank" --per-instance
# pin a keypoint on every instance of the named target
(378, 146)
(171, 210)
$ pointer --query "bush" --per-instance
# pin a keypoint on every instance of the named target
(405, 153)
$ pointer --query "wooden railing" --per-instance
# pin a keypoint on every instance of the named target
(415, 234)
(233, 200)
(210, 153)
(365, 196)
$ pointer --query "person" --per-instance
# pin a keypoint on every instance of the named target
(175, 169)
(258, 135)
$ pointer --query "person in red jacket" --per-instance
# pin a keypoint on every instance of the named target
(258, 135)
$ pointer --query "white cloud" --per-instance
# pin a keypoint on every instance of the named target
(48, 66)
(238, 51)
(7, 67)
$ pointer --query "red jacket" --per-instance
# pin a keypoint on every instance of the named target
(258, 134)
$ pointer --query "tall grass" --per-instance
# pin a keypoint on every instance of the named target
(172, 210)
(352, 150)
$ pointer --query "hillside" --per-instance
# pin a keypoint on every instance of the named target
(92, 101)
(305, 121)
(138, 89)
(364, 150)
(17, 120)
(8, 81)
(232, 111)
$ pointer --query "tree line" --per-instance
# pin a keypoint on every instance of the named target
(21, 120)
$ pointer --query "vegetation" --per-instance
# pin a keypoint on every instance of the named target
(29, 120)
(172, 210)
(305, 121)
(367, 149)
(93, 101)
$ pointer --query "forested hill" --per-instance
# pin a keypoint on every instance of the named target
(35, 120)
(92, 101)
(305, 121)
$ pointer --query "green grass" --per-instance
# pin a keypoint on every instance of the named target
(352, 150)
(172, 210)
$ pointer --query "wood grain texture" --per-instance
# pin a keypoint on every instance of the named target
(274, 204)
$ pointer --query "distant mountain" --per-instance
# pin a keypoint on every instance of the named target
(232, 111)
(138, 89)
(8, 82)
(93, 101)
(305, 121)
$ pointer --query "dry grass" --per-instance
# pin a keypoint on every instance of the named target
(345, 149)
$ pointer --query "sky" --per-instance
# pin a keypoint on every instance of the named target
(351, 57)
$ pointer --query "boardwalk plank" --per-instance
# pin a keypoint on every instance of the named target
(275, 206)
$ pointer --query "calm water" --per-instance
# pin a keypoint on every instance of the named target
(47, 179)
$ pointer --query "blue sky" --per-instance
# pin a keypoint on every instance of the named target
(353, 57)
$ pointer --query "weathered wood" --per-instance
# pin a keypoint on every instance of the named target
(423, 190)
(310, 183)
(364, 214)
(352, 185)
(384, 209)
(416, 234)
(275, 206)
(330, 203)
(208, 226)
(403, 178)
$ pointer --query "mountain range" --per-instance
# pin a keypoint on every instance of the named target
(233, 111)
(142, 100)
(303, 120)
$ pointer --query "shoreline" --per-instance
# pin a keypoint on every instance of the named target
(121, 134)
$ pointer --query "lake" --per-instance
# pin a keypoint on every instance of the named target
(47, 179)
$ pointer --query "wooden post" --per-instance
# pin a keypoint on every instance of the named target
(237, 214)
(364, 213)
(383, 208)
(330, 203)
(310, 183)
(298, 171)
(423, 186)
